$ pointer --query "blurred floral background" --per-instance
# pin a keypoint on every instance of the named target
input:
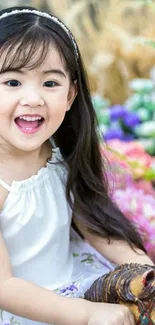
(117, 41)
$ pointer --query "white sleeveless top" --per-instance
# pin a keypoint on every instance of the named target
(35, 224)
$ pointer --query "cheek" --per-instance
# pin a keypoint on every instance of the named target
(56, 114)
(7, 103)
(58, 105)
(6, 112)
(5, 109)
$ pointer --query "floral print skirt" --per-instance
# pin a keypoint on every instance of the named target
(88, 266)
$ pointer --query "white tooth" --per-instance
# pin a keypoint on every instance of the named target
(29, 118)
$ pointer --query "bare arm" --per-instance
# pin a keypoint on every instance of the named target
(117, 251)
(33, 302)
(28, 300)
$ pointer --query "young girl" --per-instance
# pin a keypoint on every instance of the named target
(52, 175)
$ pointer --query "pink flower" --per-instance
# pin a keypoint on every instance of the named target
(139, 208)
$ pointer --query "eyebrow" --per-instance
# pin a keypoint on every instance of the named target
(54, 71)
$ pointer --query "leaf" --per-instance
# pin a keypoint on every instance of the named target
(75, 254)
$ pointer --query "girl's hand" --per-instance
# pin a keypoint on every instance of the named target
(110, 314)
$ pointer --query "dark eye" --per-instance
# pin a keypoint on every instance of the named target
(50, 84)
(12, 83)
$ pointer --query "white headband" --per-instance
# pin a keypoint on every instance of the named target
(44, 14)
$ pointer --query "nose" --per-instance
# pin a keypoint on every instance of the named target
(32, 99)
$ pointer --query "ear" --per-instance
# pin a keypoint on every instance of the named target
(73, 90)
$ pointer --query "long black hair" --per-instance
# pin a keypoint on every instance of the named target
(77, 135)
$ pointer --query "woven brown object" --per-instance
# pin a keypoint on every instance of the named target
(132, 285)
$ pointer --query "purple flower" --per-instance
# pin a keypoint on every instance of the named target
(131, 119)
(117, 112)
(71, 288)
(5, 323)
(114, 133)
(128, 137)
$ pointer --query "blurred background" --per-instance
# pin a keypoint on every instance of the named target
(117, 42)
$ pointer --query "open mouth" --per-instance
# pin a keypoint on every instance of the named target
(29, 123)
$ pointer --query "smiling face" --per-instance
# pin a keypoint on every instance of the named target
(33, 102)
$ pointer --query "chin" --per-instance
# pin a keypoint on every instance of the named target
(27, 147)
